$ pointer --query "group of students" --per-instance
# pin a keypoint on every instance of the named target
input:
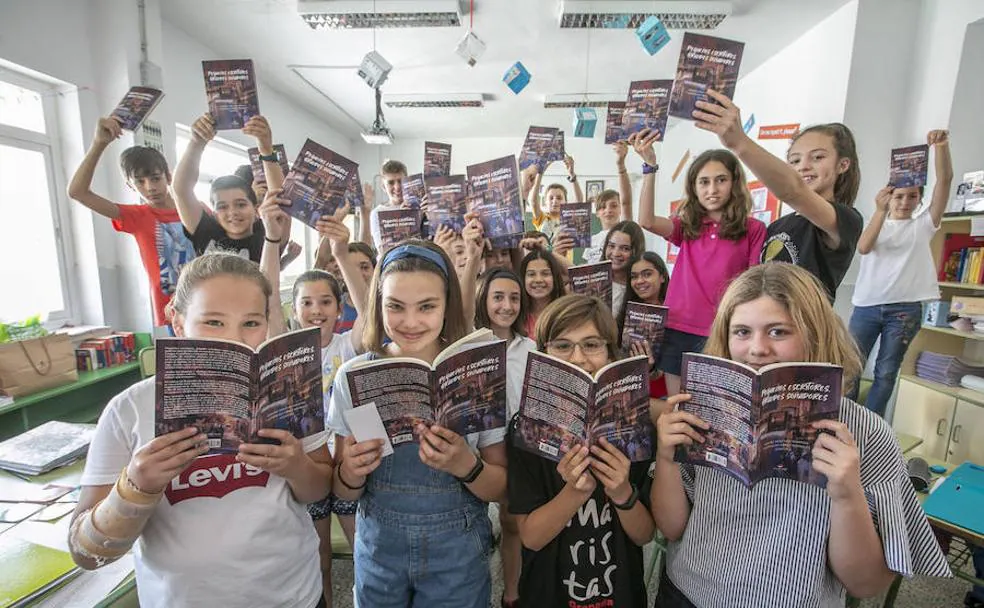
(236, 529)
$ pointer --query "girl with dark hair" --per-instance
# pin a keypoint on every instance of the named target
(622, 243)
(543, 282)
(648, 281)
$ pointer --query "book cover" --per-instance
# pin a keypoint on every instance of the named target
(910, 165)
(646, 107)
(229, 391)
(437, 159)
(497, 183)
(575, 221)
(396, 226)
(464, 390)
(230, 87)
(760, 420)
(136, 105)
(644, 323)
(259, 175)
(446, 202)
(46, 447)
(319, 183)
(557, 150)
(613, 122)
(414, 190)
(353, 193)
(31, 569)
(539, 147)
(593, 280)
(705, 63)
(563, 406)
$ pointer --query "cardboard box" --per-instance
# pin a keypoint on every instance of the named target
(653, 35)
(967, 306)
(935, 313)
(585, 120)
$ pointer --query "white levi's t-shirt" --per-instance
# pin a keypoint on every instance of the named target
(900, 267)
(225, 534)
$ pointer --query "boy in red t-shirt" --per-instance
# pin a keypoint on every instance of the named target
(163, 246)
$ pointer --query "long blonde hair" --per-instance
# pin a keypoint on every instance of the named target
(824, 335)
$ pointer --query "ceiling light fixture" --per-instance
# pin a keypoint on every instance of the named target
(365, 14)
(437, 100)
(629, 14)
(580, 100)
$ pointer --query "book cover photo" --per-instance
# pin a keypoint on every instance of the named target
(230, 87)
(259, 174)
(464, 390)
(539, 148)
(910, 166)
(705, 63)
(497, 183)
(229, 391)
(644, 323)
(563, 406)
(319, 182)
(413, 189)
(446, 202)
(437, 159)
(761, 421)
(646, 107)
(396, 226)
(613, 122)
(136, 105)
(575, 221)
(593, 280)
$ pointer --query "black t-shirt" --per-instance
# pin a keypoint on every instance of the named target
(209, 236)
(592, 562)
(796, 240)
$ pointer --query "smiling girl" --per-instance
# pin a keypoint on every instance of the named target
(622, 243)
(543, 282)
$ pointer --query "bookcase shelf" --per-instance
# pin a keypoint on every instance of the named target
(968, 286)
(969, 335)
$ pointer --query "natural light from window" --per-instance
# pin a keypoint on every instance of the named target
(20, 107)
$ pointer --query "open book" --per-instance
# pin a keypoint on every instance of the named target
(760, 421)
(564, 406)
(229, 392)
(464, 390)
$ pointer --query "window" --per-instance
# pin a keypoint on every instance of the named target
(221, 157)
(35, 249)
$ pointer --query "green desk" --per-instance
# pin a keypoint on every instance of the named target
(79, 401)
(908, 442)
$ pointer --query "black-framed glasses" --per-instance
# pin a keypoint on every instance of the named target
(565, 348)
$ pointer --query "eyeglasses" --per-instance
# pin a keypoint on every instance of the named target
(589, 347)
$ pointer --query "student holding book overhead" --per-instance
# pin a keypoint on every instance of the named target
(728, 543)
(423, 534)
(717, 240)
(583, 521)
(556, 194)
(317, 302)
(222, 530)
(154, 223)
(234, 226)
(897, 273)
(611, 206)
(819, 180)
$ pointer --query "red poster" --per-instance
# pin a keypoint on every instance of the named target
(765, 205)
(779, 131)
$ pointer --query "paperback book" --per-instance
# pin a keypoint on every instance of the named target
(446, 202)
(437, 159)
(319, 183)
(259, 174)
(593, 280)
(646, 107)
(910, 165)
(761, 421)
(575, 222)
(230, 87)
(464, 390)
(539, 148)
(229, 391)
(705, 63)
(497, 183)
(136, 105)
(613, 123)
(413, 189)
(396, 226)
(644, 323)
(563, 406)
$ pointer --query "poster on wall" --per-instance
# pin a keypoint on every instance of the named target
(765, 205)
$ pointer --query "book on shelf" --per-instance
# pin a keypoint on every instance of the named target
(946, 369)
(961, 259)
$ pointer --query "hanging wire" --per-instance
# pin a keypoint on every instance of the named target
(471, 15)
(587, 66)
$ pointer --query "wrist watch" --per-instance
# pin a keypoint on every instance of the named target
(630, 502)
(647, 168)
(270, 158)
(475, 471)
(572, 178)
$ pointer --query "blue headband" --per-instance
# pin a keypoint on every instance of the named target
(414, 251)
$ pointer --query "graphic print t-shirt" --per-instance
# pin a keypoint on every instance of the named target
(592, 562)
(794, 239)
(164, 249)
(209, 236)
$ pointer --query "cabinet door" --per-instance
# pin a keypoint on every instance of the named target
(967, 434)
(925, 413)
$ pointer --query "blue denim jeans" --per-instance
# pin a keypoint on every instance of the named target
(896, 325)
(421, 539)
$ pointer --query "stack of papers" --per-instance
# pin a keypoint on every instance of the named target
(945, 369)
(49, 446)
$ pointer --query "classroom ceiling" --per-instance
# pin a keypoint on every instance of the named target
(318, 68)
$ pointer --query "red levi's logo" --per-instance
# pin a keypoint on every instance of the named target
(214, 476)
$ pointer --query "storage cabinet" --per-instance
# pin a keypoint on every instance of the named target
(927, 414)
(967, 434)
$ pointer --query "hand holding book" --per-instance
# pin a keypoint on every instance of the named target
(108, 130)
(611, 468)
(835, 455)
(643, 142)
(333, 228)
(676, 428)
(573, 469)
(258, 128)
(883, 198)
(203, 129)
(273, 216)
(155, 464)
(444, 450)
(287, 459)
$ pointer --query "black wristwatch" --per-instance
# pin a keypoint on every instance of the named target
(270, 158)
(572, 178)
(474, 473)
(630, 502)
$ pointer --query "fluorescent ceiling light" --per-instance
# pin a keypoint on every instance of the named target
(377, 138)
(580, 100)
(435, 100)
(368, 14)
(629, 14)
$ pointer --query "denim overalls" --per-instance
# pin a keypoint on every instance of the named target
(422, 538)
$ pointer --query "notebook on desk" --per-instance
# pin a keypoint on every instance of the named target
(958, 500)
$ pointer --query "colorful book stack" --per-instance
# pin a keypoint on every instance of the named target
(945, 369)
(108, 351)
(963, 259)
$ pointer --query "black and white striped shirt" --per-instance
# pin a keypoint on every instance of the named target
(768, 546)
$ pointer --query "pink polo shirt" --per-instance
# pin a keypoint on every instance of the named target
(703, 270)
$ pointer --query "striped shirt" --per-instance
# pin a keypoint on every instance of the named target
(768, 546)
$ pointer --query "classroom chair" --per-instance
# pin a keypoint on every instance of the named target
(148, 361)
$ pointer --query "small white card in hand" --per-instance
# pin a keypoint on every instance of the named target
(365, 424)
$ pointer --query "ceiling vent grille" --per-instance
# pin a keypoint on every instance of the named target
(434, 101)
(369, 14)
(629, 14)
